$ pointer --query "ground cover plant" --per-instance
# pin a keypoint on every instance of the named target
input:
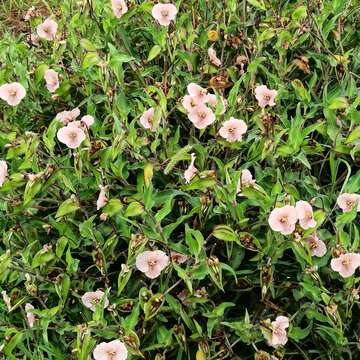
(179, 180)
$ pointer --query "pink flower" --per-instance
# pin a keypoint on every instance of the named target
(283, 219)
(190, 172)
(201, 116)
(317, 247)
(47, 30)
(52, 80)
(88, 120)
(346, 264)
(305, 214)
(6, 299)
(212, 100)
(12, 93)
(347, 201)
(246, 179)
(119, 7)
(279, 334)
(265, 96)
(189, 102)
(3, 171)
(198, 93)
(233, 129)
(71, 135)
(113, 350)
(29, 314)
(213, 58)
(146, 119)
(91, 298)
(102, 199)
(151, 263)
(164, 13)
(68, 116)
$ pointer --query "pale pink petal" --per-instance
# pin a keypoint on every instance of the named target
(29, 315)
(164, 13)
(47, 30)
(52, 80)
(346, 201)
(3, 171)
(102, 199)
(71, 135)
(146, 119)
(265, 96)
(198, 93)
(113, 350)
(119, 7)
(142, 261)
(189, 102)
(233, 129)
(88, 120)
(191, 171)
(152, 263)
(91, 298)
(213, 58)
(201, 116)
(12, 93)
(283, 219)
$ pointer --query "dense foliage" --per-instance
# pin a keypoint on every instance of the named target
(149, 205)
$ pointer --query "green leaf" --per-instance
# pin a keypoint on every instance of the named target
(259, 4)
(67, 207)
(134, 209)
(154, 52)
(338, 103)
(226, 233)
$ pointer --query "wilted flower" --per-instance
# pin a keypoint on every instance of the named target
(191, 170)
(88, 120)
(283, 219)
(177, 257)
(6, 299)
(233, 129)
(265, 96)
(29, 14)
(201, 116)
(12, 93)
(305, 214)
(146, 119)
(47, 30)
(68, 116)
(52, 80)
(198, 93)
(151, 263)
(91, 298)
(71, 135)
(246, 179)
(213, 58)
(279, 334)
(317, 246)
(113, 350)
(3, 171)
(119, 7)
(213, 35)
(29, 314)
(347, 201)
(164, 13)
(346, 264)
(102, 199)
